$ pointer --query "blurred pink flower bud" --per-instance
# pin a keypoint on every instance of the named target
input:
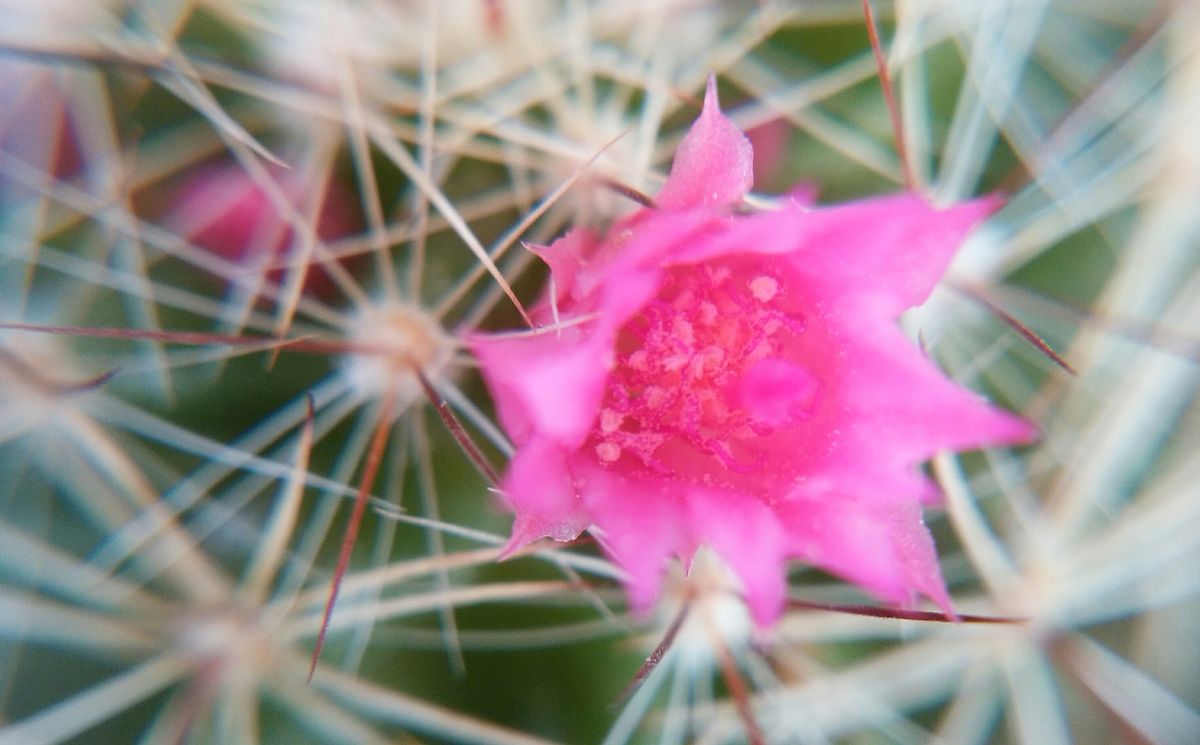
(222, 209)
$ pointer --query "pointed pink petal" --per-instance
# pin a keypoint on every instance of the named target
(645, 521)
(889, 251)
(551, 384)
(541, 491)
(714, 165)
(749, 538)
(565, 257)
(636, 520)
(903, 399)
(885, 549)
(547, 385)
(894, 248)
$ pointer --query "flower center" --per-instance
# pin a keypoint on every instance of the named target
(707, 368)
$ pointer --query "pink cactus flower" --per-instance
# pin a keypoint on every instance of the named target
(738, 380)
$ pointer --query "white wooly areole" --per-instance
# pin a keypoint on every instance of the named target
(390, 343)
